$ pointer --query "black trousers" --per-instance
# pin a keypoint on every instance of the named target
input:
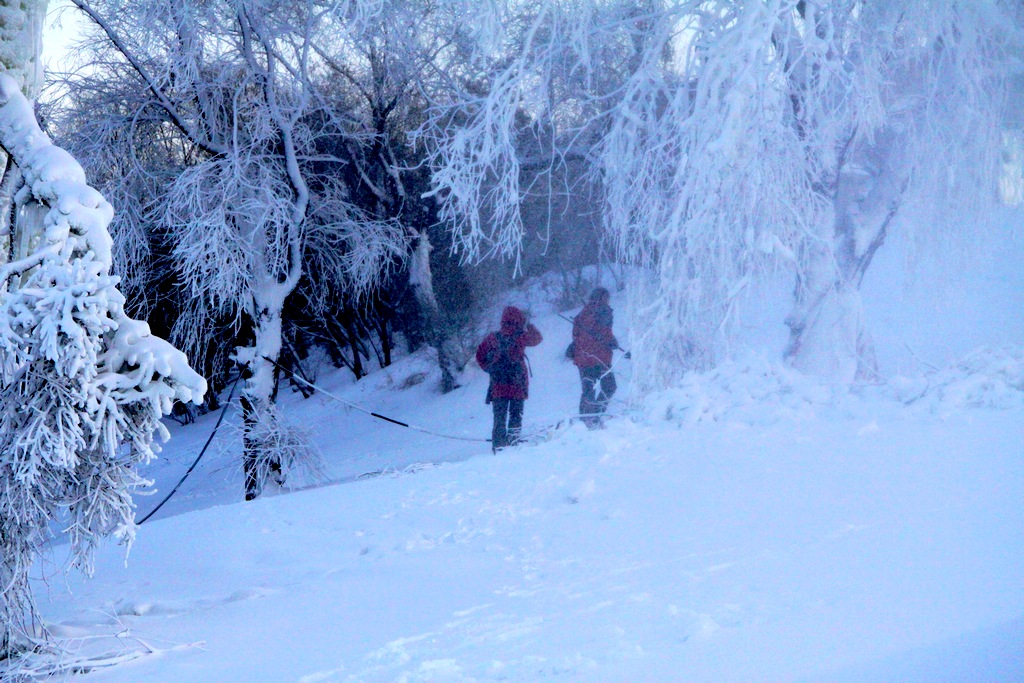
(598, 388)
(508, 421)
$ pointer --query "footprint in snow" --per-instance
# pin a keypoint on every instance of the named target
(170, 608)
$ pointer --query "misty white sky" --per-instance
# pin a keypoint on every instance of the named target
(63, 24)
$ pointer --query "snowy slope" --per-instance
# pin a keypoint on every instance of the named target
(749, 526)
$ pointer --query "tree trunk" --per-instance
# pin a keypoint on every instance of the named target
(423, 288)
(338, 341)
(353, 342)
(384, 332)
(257, 398)
(828, 336)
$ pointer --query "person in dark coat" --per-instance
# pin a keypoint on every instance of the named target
(502, 355)
(593, 343)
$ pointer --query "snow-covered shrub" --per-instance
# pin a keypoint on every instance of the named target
(759, 391)
(286, 451)
(82, 385)
(754, 391)
(987, 378)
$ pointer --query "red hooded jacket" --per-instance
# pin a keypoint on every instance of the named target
(592, 333)
(502, 355)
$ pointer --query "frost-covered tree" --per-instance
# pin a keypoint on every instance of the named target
(732, 138)
(82, 385)
(388, 70)
(250, 202)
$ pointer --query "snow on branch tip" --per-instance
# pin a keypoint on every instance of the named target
(54, 178)
(75, 227)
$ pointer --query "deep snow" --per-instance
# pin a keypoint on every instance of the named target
(752, 525)
(722, 551)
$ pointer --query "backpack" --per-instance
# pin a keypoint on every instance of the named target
(502, 369)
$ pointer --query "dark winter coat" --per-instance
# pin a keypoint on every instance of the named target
(502, 355)
(592, 336)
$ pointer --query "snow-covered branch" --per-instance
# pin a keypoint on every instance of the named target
(82, 385)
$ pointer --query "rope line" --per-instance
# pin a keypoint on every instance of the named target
(384, 417)
(202, 452)
(220, 419)
(373, 414)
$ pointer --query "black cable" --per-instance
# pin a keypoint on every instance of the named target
(371, 413)
(220, 419)
(385, 417)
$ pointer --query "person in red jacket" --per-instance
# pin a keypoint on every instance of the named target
(502, 355)
(593, 343)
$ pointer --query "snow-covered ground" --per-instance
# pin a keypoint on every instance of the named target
(752, 525)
